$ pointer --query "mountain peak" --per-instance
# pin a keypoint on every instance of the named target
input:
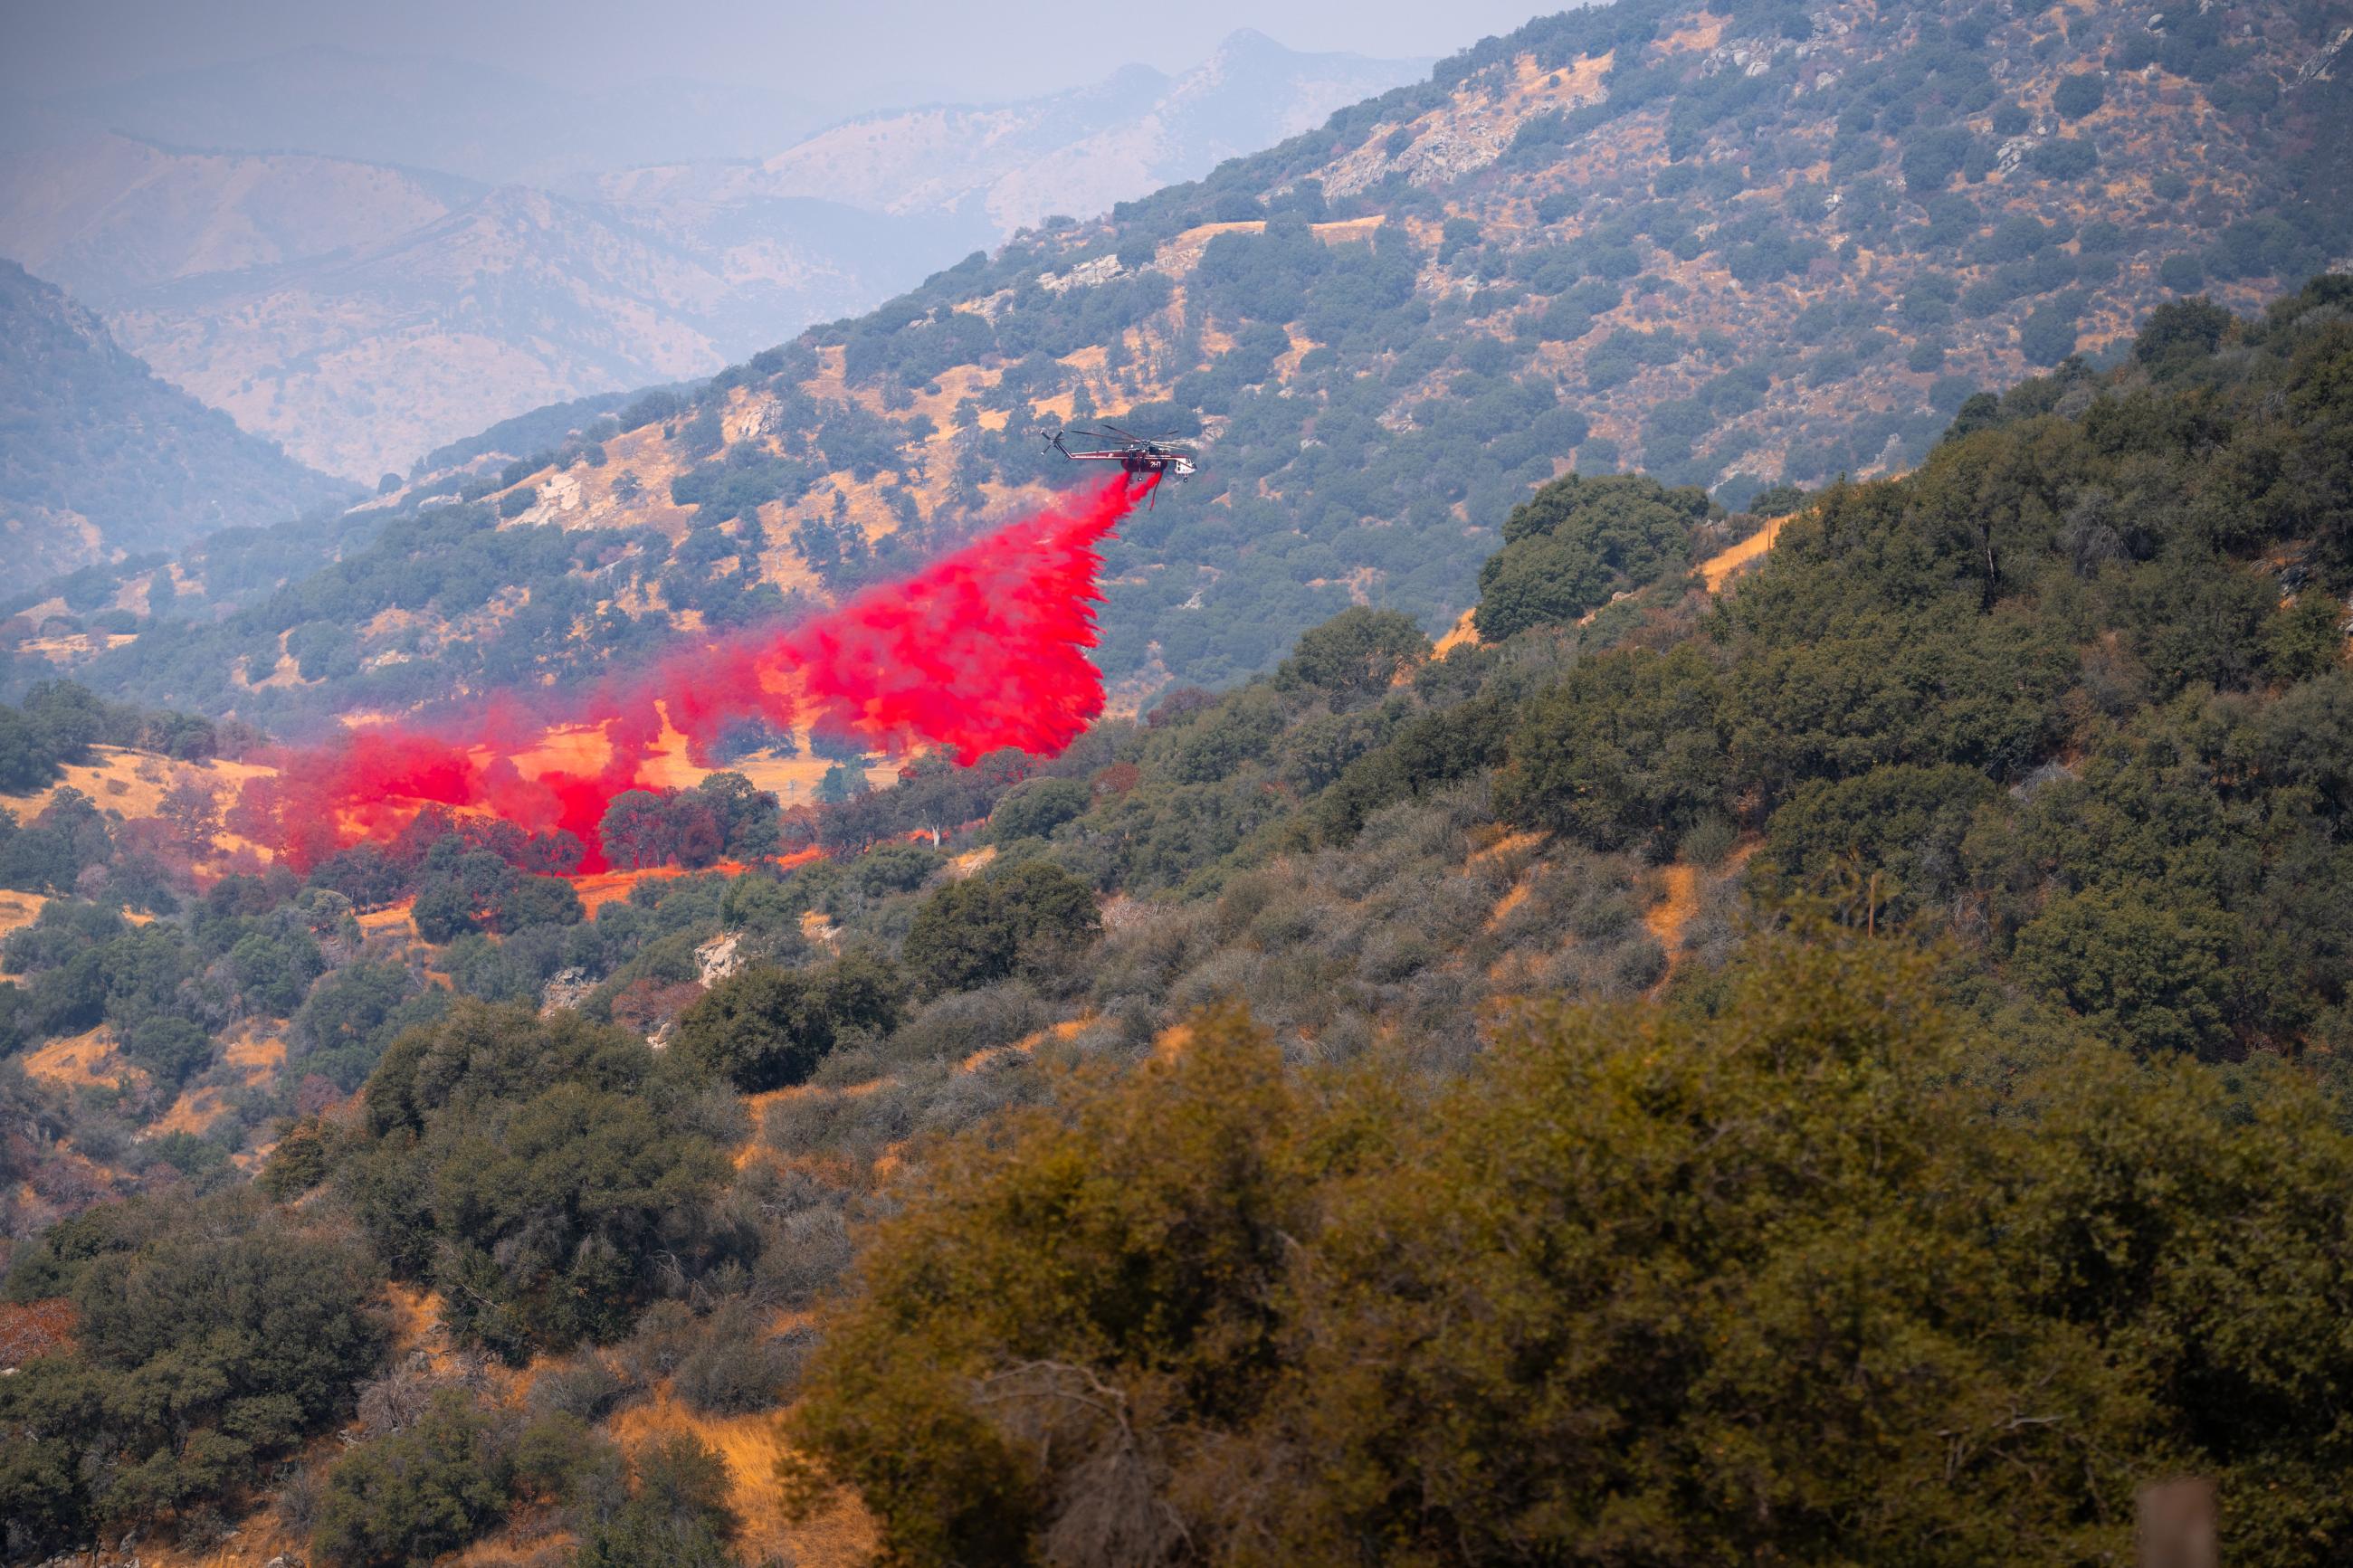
(1247, 41)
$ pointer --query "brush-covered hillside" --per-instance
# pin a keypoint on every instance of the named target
(1732, 248)
(1836, 1045)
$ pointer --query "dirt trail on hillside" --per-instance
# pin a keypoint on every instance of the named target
(1666, 919)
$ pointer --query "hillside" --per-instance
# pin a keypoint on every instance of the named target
(1915, 951)
(102, 460)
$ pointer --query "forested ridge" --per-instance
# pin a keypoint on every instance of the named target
(1845, 1065)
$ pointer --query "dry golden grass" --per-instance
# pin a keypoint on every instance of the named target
(1464, 633)
(392, 919)
(194, 1113)
(583, 497)
(1682, 890)
(1678, 902)
(1349, 230)
(819, 930)
(1702, 33)
(972, 860)
(82, 1061)
(77, 647)
(1525, 841)
(257, 1056)
(1514, 896)
(260, 1537)
(752, 1446)
(133, 783)
(1719, 569)
(1182, 252)
(1027, 1044)
(414, 1318)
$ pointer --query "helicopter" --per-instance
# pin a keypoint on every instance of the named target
(1136, 454)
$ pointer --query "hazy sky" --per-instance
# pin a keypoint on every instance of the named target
(972, 50)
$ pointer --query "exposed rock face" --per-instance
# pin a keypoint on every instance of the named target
(720, 957)
(566, 990)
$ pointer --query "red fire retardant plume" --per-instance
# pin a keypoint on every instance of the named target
(982, 650)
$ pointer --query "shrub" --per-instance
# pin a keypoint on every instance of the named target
(534, 1170)
(1625, 751)
(257, 1326)
(1577, 540)
(2182, 273)
(1035, 808)
(2180, 330)
(676, 1515)
(982, 929)
(735, 1367)
(169, 1047)
(2143, 966)
(419, 1493)
(2079, 95)
(2064, 158)
(1358, 654)
(2048, 335)
(766, 1027)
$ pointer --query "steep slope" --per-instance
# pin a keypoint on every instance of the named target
(1986, 841)
(100, 458)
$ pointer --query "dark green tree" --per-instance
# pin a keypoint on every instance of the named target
(982, 929)
(418, 1493)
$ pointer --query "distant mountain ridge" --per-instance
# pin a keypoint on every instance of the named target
(362, 360)
(102, 459)
(105, 217)
(365, 313)
(1073, 152)
(487, 125)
